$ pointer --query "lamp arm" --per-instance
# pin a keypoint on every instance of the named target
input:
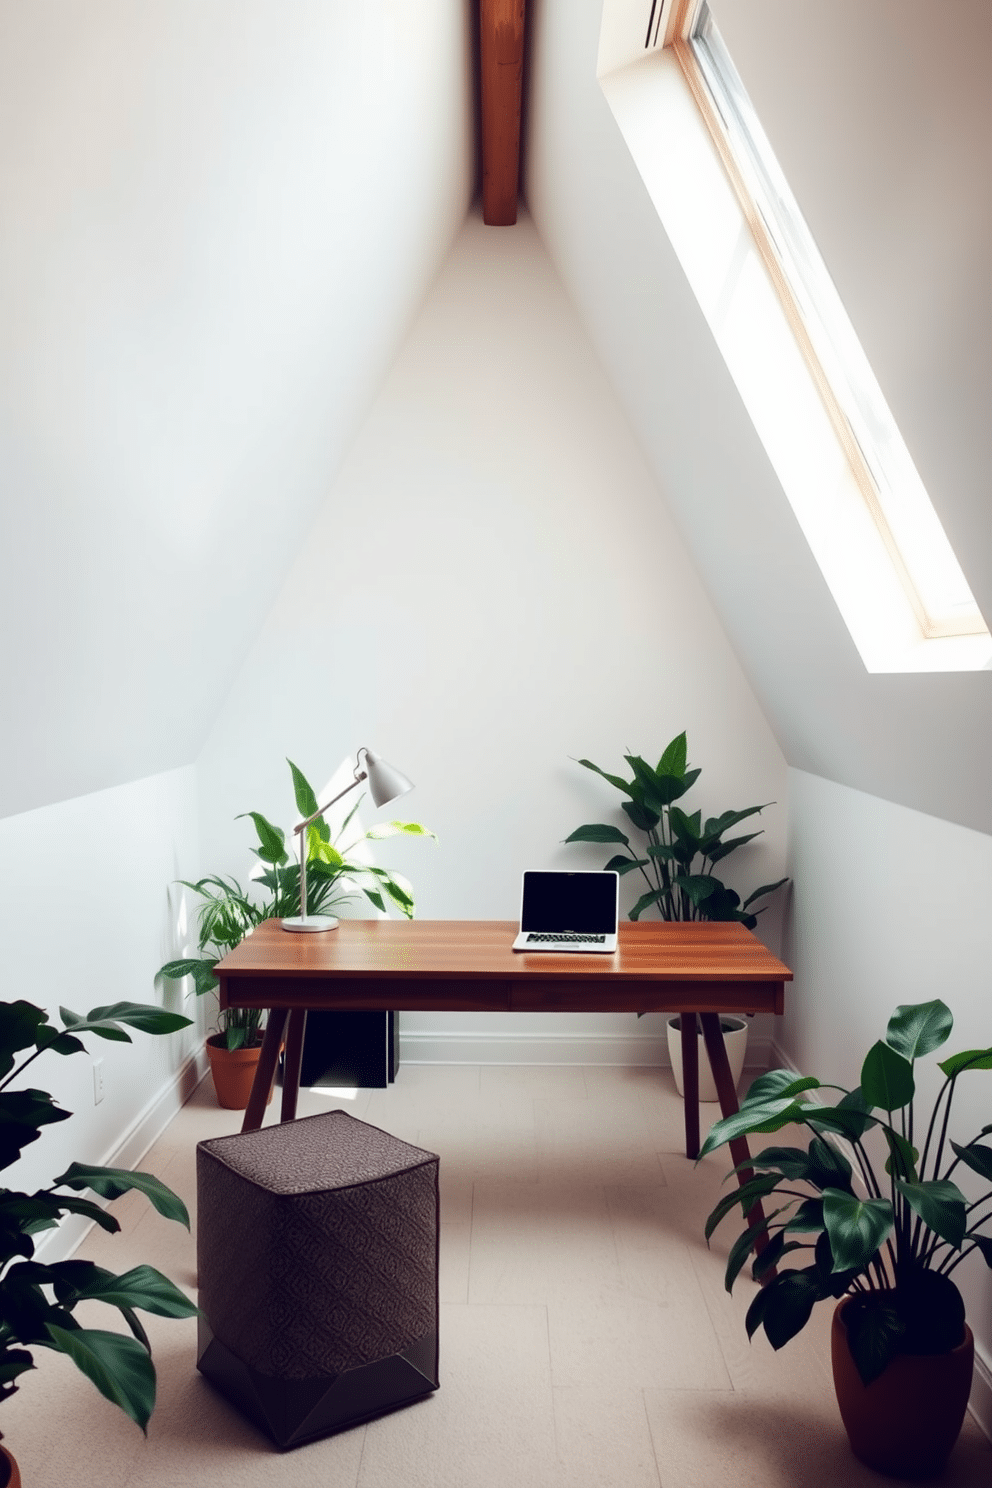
(360, 775)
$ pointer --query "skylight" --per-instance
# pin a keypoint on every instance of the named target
(788, 343)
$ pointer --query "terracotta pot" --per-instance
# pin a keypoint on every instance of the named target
(10, 1473)
(906, 1421)
(233, 1071)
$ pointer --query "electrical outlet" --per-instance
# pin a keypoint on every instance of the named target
(97, 1081)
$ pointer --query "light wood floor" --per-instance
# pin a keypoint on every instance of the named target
(586, 1338)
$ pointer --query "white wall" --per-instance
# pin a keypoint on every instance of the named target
(881, 116)
(921, 739)
(492, 589)
(218, 221)
(891, 906)
(87, 916)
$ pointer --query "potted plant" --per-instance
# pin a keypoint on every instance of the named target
(677, 852)
(884, 1235)
(37, 1301)
(228, 912)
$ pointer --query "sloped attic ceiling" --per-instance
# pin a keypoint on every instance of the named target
(217, 224)
(923, 739)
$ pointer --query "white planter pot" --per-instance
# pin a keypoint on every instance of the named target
(734, 1037)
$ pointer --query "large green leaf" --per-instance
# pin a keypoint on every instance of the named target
(144, 1016)
(659, 789)
(856, 1227)
(745, 1197)
(776, 1083)
(808, 1218)
(13, 1362)
(764, 1116)
(68, 1204)
(822, 1166)
(918, 1028)
(398, 893)
(382, 830)
(698, 886)
(902, 1159)
(653, 896)
(271, 840)
(715, 850)
(119, 1367)
(675, 757)
(778, 1247)
(828, 1168)
(724, 904)
(687, 828)
(874, 1328)
(22, 1026)
(306, 800)
(838, 1120)
(887, 1078)
(941, 1205)
(643, 818)
(662, 852)
(199, 968)
(832, 1283)
(112, 1031)
(598, 832)
(791, 1162)
(743, 1246)
(968, 1059)
(110, 1183)
(765, 889)
(21, 1114)
(620, 864)
(621, 785)
(142, 1287)
(321, 850)
(783, 1307)
(977, 1156)
(984, 1244)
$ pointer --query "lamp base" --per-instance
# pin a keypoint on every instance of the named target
(311, 923)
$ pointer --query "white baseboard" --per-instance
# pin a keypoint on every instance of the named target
(436, 1047)
(980, 1403)
(127, 1152)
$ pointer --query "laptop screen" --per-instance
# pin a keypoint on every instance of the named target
(579, 903)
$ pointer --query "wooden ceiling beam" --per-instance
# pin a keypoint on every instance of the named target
(501, 38)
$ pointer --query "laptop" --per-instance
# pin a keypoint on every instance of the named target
(569, 912)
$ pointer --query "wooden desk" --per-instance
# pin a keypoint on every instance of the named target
(456, 965)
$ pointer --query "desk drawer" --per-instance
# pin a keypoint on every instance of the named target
(402, 993)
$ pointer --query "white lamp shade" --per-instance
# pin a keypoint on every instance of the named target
(385, 783)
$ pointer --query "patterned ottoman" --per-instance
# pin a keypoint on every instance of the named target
(317, 1256)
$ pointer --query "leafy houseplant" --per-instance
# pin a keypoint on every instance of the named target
(229, 911)
(890, 1243)
(679, 851)
(36, 1300)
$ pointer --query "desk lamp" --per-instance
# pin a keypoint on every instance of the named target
(385, 784)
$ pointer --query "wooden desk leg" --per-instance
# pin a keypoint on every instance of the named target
(739, 1149)
(262, 1083)
(293, 1063)
(690, 1082)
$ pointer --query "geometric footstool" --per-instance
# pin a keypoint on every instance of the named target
(317, 1244)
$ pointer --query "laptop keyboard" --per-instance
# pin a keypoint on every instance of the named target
(567, 938)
